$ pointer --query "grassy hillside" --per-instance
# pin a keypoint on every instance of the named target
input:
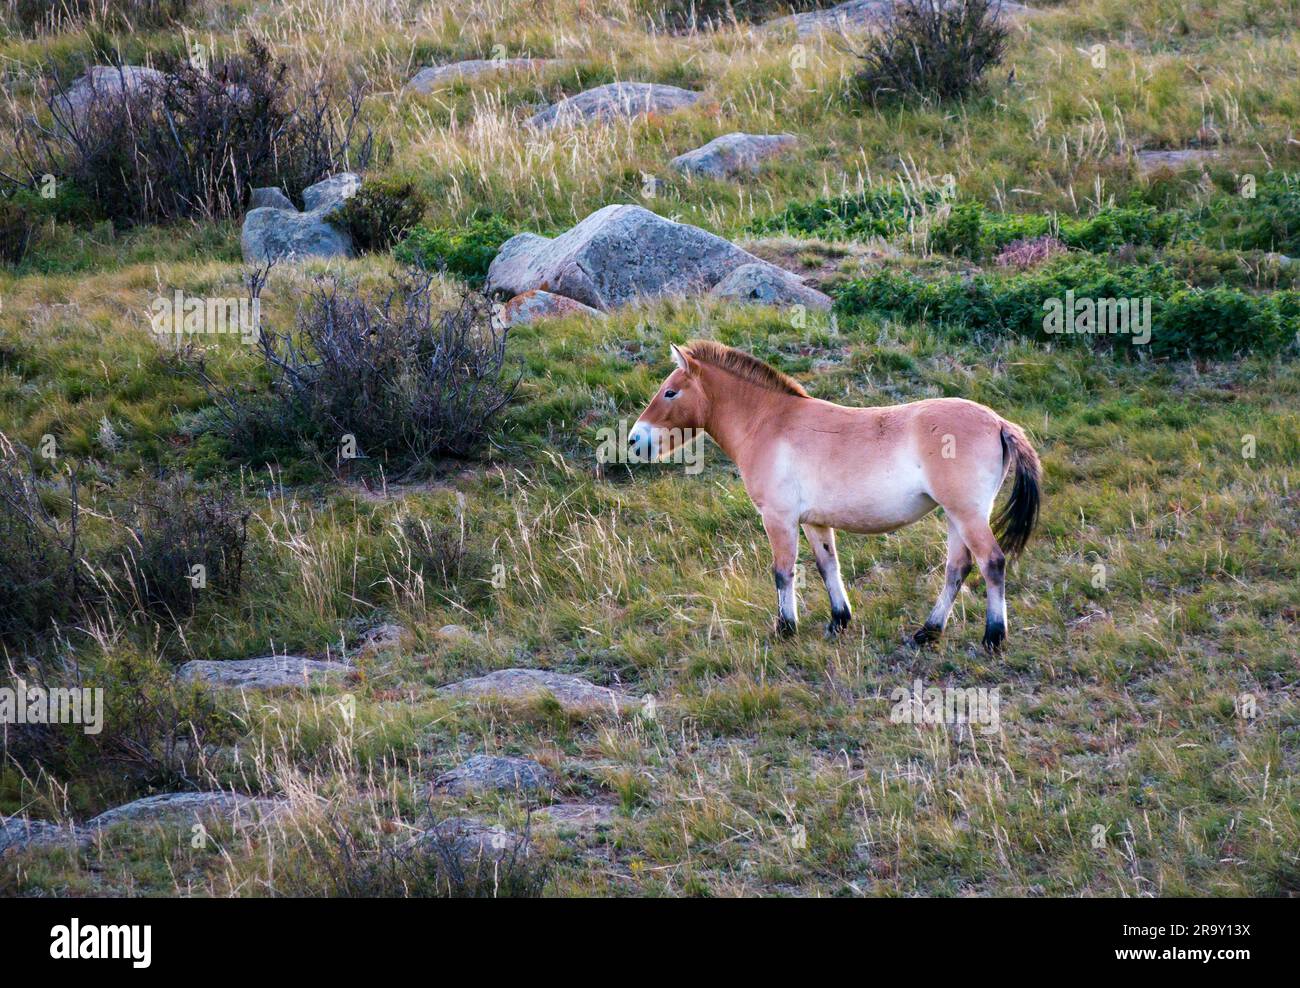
(1149, 728)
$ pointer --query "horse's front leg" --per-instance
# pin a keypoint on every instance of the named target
(822, 540)
(783, 533)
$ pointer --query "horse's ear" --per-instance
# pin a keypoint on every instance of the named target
(681, 359)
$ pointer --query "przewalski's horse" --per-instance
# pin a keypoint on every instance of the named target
(811, 463)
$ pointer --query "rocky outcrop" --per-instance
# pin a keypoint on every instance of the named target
(575, 695)
(438, 76)
(19, 834)
(767, 284)
(733, 154)
(267, 672)
(865, 15)
(187, 808)
(613, 101)
(495, 773)
(536, 305)
(471, 841)
(274, 232)
(617, 255)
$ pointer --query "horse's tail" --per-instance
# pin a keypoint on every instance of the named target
(1016, 520)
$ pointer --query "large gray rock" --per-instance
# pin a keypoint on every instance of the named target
(436, 76)
(767, 284)
(104, 81)
(187, 808)
(19, 833)
(277, 231)
(267, 672)
(327, 195)
(495, 773)
(617, 255)
(614, 100)
(733, 154)
(865, 15)
(537, 304)
(575, 695)
(272, 233)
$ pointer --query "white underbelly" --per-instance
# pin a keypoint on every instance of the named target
(870, 501)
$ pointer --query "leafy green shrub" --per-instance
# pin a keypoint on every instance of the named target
(880, 211)
(1219, 322)
(1215, 323)
(466, 251)
(381, 213)
(931, 50)
(1270, 221)
(972, 231)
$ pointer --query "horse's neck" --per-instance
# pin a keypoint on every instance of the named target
(741, 414)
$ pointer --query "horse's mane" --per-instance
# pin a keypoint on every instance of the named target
(744, 366)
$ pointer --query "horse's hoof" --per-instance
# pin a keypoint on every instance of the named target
(994, 636)
(785, 628)
(838, 622)
(927, 634)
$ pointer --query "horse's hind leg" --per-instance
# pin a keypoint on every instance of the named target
(783, 533)
(822, 540)
(978, 536)
(959, 564)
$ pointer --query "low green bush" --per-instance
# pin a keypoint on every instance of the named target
(465, 251)
(381, 213)
(881, 211)
(1185, 321)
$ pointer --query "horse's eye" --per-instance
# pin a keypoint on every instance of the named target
(670, 393)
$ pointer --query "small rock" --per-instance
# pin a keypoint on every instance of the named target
(186, 808)
(471, 841)
(271, 198)
(487, 773)
(454, 633)
(573, 817)
(327, 195)
(575, 695)
(613, 101)
(534, 305)
(733, 154)
(431, 78)
(19, 833)
(769, 285)
(380, 639)
(268, 672)
(1150, 162)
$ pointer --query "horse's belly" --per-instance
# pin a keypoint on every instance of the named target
(872, 507)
